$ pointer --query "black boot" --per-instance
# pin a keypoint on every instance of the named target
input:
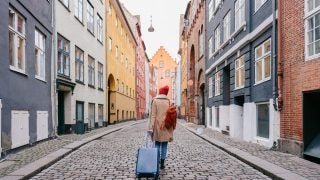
(162, 164)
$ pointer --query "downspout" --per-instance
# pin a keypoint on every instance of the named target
(54, 73)
(280, 63)
(274, 57)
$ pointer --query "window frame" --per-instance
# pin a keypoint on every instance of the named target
(240, 69)
(100, 31)
(80, 63)
(256, 8)
(217, 38)
(90, 17)
(263, 57)
(91, 71)
(77, 10)
(211, 46)
(241, 9)
(309, 14)
(217, 84)
(210, 87)
(39, 62)
(227, 27)
(64, 54)
(100, 76)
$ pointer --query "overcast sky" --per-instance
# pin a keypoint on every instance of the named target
(165, 20)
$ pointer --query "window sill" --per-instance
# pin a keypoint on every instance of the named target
(80, 82)
(216, 9)
(241, 28)
(79, 20)
(91, 32)
(41, 79)
(262, 81)
(313, 57)
(238, 88)
(91, 86)
(216, 52)
(228, 41)
(216, 95)
(100, 42)
(64, 76)
(100, 89)
(22, 72)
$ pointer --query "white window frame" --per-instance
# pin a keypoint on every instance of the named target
(91, 71)
(262, 58)
(227, 27)
(100, 75)
(211, 50)
(256, 128)
(258, 4)
(78, 9)
(16, 37)
(40, 50)
(239, 14)
(216, 4)
(210, 10)
(210, 88)
(79, 71)
(310, 15)
(100, 28)
(217, 39)
(241, 72)
(90, 17)
(65, 56)
(217, 83)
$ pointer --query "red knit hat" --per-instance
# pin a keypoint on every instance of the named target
(164, 90)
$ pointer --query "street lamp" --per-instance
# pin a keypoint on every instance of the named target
(151, 29)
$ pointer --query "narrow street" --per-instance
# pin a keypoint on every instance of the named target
(114, 155)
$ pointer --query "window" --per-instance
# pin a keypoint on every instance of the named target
(65, 3)
(263, 62)
(167, 73)
(78, 9)
(100, 28)
(239, 15)
(117, 53)
(63, 56)
(91, 115)
(100, 76)
(312, 4)
(258, 4)
(226, 27)
(79, 65)
(110, 43)
(217, 39)
(40, 42)
(90, 23)
(122, 88)
(210, 10)
(200, 41)
(100, 113)
(118, 85)
(210, 87)
(216, 4)
(211, 50)
(91, 74)
(240, 72)
(313, 33)
(217, 84)
(263, 120)
(17, 41)
(161, 64)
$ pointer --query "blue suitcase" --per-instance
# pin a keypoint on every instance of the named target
(147, 164)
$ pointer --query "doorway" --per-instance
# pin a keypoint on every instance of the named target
(80, 117)
(201, 105)
(226, 85)
(311, 125)
(61, 118)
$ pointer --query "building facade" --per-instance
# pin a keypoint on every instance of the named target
(135, 25)
(153, 84)
(183, 64)
(25, 71)
(80, 65)
(166, 69)
(194, 36)
(299, 77)
(240, 70)
(121, 63)
(147, 85)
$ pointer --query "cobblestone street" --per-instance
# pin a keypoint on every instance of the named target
(113, 157)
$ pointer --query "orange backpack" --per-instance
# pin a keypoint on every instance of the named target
(171, 117)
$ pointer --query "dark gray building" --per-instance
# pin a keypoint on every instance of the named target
(240, 43)
(25, 72)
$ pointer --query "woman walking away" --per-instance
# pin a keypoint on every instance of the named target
(160, 125)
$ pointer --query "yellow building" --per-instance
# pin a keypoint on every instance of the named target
(166, 68)
(120, 53)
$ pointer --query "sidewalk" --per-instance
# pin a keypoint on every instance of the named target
(31, 157)
(276, 164)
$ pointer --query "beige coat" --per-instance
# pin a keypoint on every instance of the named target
(159, 107)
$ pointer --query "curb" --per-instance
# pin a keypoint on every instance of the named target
(267, 168)
(37, 166)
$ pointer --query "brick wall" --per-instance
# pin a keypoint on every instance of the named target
(299, 75)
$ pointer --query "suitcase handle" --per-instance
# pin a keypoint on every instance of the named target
(147, 143)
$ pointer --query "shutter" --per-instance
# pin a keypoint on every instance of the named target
(42, 125)
(19, 128)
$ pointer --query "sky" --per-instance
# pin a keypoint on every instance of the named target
(165, 20)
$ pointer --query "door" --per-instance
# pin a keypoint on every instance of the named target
(61, 126)
(79, 117)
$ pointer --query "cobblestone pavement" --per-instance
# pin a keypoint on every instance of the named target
(27, 155)
(290, 162)
(114, 156)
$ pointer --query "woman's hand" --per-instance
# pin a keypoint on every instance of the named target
(162, 125)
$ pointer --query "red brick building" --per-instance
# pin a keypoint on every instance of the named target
(194, 33)
(299, 76)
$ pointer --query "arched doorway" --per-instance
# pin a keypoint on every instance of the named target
(111, 99)
(201, 98)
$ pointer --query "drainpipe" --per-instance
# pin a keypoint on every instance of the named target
(274, 57)
(280, 63)
(54, 73)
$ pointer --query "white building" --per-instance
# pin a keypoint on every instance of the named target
(80, 65)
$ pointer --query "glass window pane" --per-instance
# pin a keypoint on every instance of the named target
(259, 52)
(11, 48)
(42, 65)
(267, 67)
(263, 120)
(311, 49)
(316, 3)
(21, 53)
(310, 23)
(259, 71)
(37, 61)
(11, 18)
(20, 25)
(310, 37)
(317, 33)
(267, 47)
(317, 19)
(310, 5)
(317, 47)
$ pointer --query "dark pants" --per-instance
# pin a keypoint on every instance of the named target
(162, 146)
